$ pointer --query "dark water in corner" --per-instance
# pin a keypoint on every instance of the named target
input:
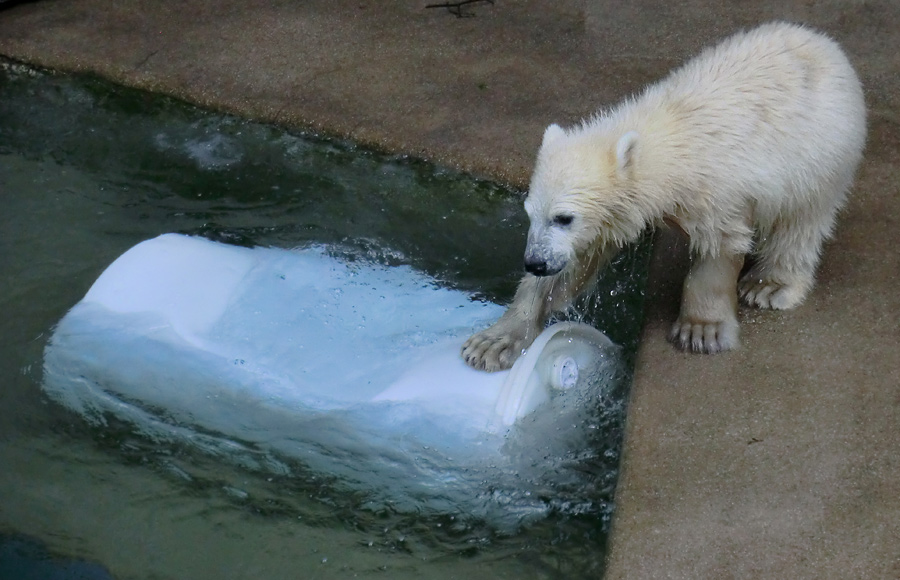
(87, 170)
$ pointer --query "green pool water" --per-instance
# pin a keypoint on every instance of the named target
(89, 169)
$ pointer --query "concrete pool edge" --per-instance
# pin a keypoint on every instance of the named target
(774, 461)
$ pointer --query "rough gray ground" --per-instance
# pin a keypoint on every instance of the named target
(777, 461)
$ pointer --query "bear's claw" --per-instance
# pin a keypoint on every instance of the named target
(489, 353)
(763, 293)
(498, 347)
(705, 337)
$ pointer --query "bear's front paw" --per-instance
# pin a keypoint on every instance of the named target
(701, 336)
(766, 293)
(498, 347)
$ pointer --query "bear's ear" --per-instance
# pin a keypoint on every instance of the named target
(625, 150)
(553, 133)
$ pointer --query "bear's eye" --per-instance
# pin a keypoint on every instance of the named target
(563, 219)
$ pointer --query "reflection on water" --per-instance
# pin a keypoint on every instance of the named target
(87, 170)
(24, 559)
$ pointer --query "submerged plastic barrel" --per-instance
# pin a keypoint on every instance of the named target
(310, 354)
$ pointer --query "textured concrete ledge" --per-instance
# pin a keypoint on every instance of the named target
(777, 461)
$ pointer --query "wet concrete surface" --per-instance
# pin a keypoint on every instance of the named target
(777, 461)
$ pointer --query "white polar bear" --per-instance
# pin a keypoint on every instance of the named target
(749, 147)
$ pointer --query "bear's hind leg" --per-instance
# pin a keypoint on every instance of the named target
(708, 321)
(787, 255)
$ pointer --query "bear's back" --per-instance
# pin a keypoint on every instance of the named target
(769, 113)
(778, 79)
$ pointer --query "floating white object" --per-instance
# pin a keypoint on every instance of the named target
(317, 358)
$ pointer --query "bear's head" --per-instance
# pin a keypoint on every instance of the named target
(581, 185)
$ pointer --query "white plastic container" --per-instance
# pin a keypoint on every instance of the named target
(267, 352)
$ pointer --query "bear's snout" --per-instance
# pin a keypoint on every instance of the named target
(540, 267)
(535, 266)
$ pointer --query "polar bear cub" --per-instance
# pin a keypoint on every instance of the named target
(750, 147)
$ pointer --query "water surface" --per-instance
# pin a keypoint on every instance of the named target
(87, 170)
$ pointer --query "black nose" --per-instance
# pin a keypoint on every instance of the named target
(536, 267)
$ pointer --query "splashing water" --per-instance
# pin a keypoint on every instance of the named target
(85, 177)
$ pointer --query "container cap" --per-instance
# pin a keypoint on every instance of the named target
(562, 357)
